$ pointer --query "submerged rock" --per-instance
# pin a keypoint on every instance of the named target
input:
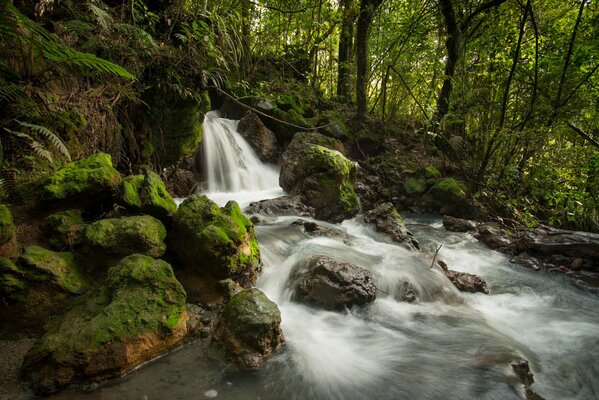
(138, 313)
(323, 177)
(332, 284)
(457, 224)
(262, 140)
(285, 205)
(216, 241)
(525, 376)
(147, 194)
(249, 328)
(90, 180)
(123, 236)
(64, 229)
(387, 220)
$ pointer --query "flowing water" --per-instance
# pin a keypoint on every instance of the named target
(447, 345)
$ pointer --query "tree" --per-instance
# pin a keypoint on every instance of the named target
(365, 17)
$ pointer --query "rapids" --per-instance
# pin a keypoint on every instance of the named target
(447, 345)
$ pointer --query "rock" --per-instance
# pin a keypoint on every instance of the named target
(414, 185)
(286, 205)
(493, 236)
(333, 124)
(466, 282)
(88, 181)
(333, 285)
(64, 230)
(262, 140)
(577, 264)
(546, 240)
(448, 197)
(138, 313)
(370, 189)
(526, 260)
(124, 236)
(214, 241)
(457, 224)
(181, 182)
(324, 178)
(250, 328)
(302, 140)
(316, 229)
(387, 220)
(147, 194)
(7, 226)
(522, 370)
(406, 293)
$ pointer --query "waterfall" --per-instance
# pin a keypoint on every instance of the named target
(232, 169)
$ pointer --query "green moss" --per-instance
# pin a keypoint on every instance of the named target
(7, 226)
(431, 172)
(123, 236)
(64, 229)
(61, 269)
(12, 282)
(449, 185)
(147, 194)
(415, 185)
(335, 125)
(92, 177)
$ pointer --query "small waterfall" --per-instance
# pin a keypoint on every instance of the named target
(232, 169)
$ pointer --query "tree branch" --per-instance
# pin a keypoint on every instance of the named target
(583, 134)
(479, 10)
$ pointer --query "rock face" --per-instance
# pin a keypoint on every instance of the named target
(457, 224)
(124, 236)
(323, 177)
(7, 226)
(262, 140)
(387, 220)
(216, 241)
(286, 205)
(333, 285)
(138, 313)
(90, 180)
(64, 229)
(147, 194)
(249, 328)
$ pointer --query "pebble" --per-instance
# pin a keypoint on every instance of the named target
(210, 393)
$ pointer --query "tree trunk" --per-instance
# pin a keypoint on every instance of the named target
(367, 10)
(346, 38)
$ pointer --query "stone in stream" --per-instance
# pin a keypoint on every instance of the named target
(285, 205)
(250, 329)
(137, 314)
(521, 368)
(457, 224)
(464, 281)
(262, 140)
(387, 220)
(333, 285)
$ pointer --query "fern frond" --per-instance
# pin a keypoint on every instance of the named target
(102, 17)
(10, 91)
(49, 135)
(78, 28)
(41, 151)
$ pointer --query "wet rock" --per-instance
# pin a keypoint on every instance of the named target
(370, 190)
(138, 313)
(457, 224)
(525, 376)
(493, 236)
(215, 241)
(181, 182)
(286, 205)
(577, 264)
(387, 220)
(546, 240)
(88, 181)
(466, 282)
(124, 236)
(333, 285)
(406, 293)
(316, 229)
(250, 329)
(526, 260)
(262, 140)
(64, 230)
(146, 194)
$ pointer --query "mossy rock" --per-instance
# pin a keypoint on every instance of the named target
(64, 229)
(141, 234)
(448, 187)
(176, 123)
(147, 194)
(216, 241)
(92, 179)
(138, 313)
(13, 286)
(334, 125)
(431, 172)
(7, 226)
(324, 178)
(249, 328)
(415, 185)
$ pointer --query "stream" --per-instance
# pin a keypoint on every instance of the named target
(446, 345)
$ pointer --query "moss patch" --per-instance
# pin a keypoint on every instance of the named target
(415, 185)
(147, 194)
(450, 186)
(431, 172)
(64, 229)
(7, 226)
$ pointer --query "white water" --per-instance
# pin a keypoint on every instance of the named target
(447, 345)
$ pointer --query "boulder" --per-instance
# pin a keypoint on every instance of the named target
(546, 240)
(286, 205)
(262, 140)
(7, 226)
(146, 194)
(181, 182)
(493, 236)
(250, 329)
(525, 377)
(333, 285)
(124, 236)
(137, 314)
(457, 224)
(87, 181)
(316, 229)
(464, 281)
(64, 230)
(447, 196)
(370, 189)
(387, 220)
(215, 241)
(323, 177)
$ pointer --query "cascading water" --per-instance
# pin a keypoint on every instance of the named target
(448, 345)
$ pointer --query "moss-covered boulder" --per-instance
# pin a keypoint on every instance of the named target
(90, 180)
(215, 241)
(138, 313)
(448, 196)
(38, 284)
(147, 194)
(7, 226)
(324, 178)
(64, 229)
(414, 185)
(141, 234)
(250, 329)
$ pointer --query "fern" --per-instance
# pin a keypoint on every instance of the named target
(78, 28)
(49, 135)
(101, 16)
(9, 91)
